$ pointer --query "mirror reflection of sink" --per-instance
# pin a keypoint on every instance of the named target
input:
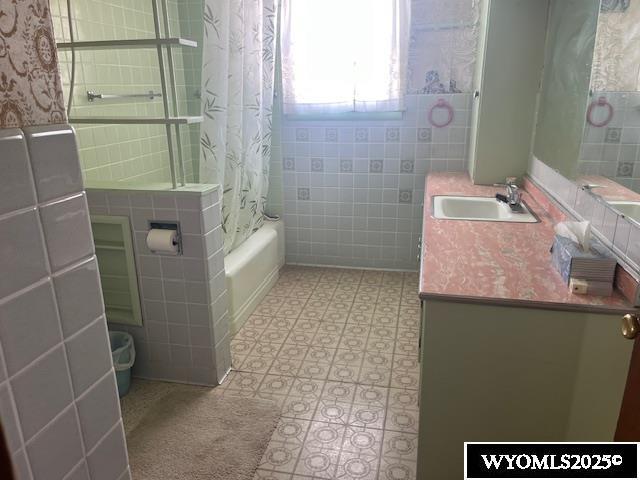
(487, 209)
(628, 209)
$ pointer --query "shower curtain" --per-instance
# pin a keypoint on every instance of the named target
(237, 99)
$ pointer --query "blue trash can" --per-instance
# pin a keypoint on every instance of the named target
(123, 353)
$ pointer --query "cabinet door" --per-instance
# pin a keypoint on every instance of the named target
(510, 63)
(628, 429)
(600, 379)
(506, 374)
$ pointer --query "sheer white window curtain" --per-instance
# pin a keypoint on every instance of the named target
(344, 55)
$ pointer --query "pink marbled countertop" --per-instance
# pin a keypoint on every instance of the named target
(495, 262)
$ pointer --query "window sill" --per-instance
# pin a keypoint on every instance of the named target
(346, 116)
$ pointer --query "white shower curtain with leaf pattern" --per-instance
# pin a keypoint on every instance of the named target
(237, 99)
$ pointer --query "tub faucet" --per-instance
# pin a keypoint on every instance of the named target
(513, 197)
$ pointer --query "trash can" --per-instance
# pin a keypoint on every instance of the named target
(123, 353)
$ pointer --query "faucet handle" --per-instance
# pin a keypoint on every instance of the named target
(511, 180)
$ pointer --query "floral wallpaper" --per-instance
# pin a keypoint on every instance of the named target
(616, 59)
(30, 87)
(444, 39)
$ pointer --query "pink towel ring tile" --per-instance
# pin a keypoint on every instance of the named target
(601, 102)
(441, 103)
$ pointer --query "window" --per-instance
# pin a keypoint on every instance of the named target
(344, 55)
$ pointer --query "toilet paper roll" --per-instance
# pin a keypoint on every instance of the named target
(163, 241)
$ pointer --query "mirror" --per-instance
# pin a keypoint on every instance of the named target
(609, 153)
(571, 36)
(588, 125)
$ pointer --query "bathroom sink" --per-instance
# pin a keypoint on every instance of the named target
(628, 209)
(487, 209)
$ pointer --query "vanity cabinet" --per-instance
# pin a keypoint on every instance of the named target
(506, 80)
(504, 373)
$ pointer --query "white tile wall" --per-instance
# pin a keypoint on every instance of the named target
(184, 337)
(353, 190)
(614, 230)
(613, 150)
(54, 350)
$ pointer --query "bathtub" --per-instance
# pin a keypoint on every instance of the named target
(251, 270)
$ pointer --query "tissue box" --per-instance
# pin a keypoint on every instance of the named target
(571, 261)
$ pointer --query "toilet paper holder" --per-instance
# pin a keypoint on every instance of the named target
(168, 225)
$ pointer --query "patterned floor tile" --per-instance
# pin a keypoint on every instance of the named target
(336, 350)
(343, 373)
(237, 360)
(287, 311)
(317, 463)
(352, 343)
(257, 322)
(353, 466)
(267, 310)
(407, 335)
(371, 395)
(381, 345)
(333, 411)
(307, 388)
(299, 407)
(365, 318)
(312, 314)
(384, 320)
(320, 355)
(366, 441)
(271, 335)
(319, 371)
(325, 340)
(366, 298)
(285, 366)
(400, 445)
(291, 430)
(375, 376)
(282, 323)
(367, 416)
(402, 420)
(382, 331)
(407, 348)
(255, 364)
(377, 360)
(324, 435)
(241, 347)
(281, 457)
(405, 379)
(357, 330)
(244, 381)
(402, 398)
(264, 349)
(294, 303)
(299, 337)
(293, 352)
(306, 326)
(276, 384)
(330, 328)
(339, 392)
(396, 469)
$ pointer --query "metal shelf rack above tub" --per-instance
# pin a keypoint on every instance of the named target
(164, 44)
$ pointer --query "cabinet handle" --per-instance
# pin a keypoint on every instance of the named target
(630, 326)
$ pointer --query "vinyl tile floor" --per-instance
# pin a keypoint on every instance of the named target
(337, 350)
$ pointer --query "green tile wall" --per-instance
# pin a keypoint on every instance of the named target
(126, 152)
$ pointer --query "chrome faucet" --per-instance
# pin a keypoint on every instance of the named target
(513, 197)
